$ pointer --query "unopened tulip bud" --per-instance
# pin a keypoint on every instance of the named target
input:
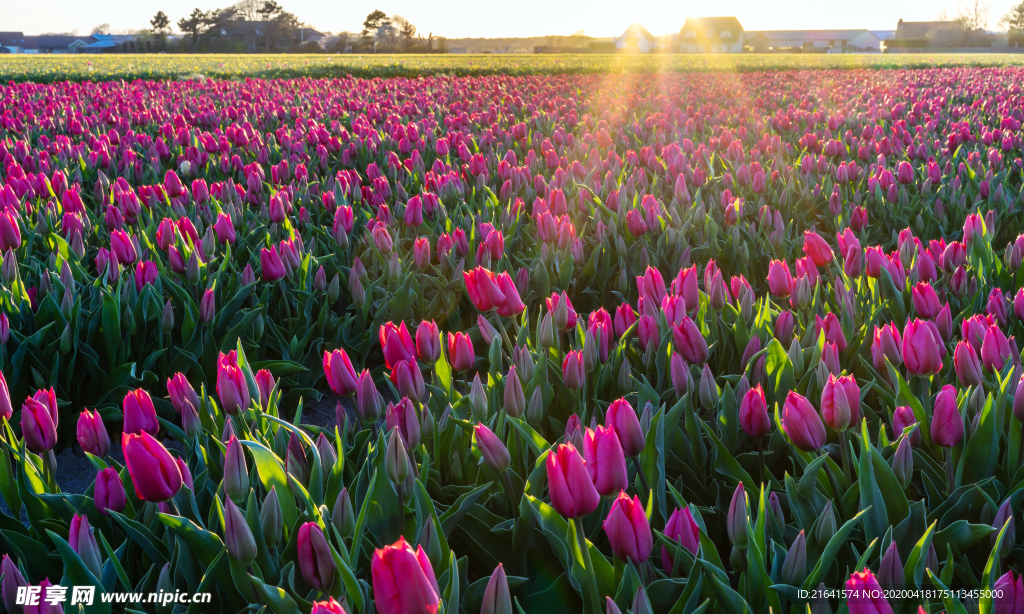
(535, 410)
(680, 375)
(546, 334)
(207, 307)
(610, 607)
(590, 353)
(794, 570)
(890, 570)
(1004, 514)
(190, 422)
(333, 290)
(236, 472)
(903, 462)
(625, 379)
(83, 542)
(343, 516)
(9, 269)
(396, 463)
(320, 281)
(478, 399)
(708, 389)
(271, 520)
(514, 398)
(494, 452)
(646, 417)
(826, 525)
(496, 596)
(736, 521)
(430, 542)
(237, 536)
(802, 292)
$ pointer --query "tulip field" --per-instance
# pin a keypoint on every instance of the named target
(611, 342)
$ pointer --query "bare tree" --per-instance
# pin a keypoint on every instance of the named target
(248, 9)
(406, 31)
(974, 15)
(579, 38)
(103, 28)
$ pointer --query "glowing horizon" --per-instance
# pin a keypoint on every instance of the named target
(524, 19)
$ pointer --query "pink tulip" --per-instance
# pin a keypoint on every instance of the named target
(569, 485)
(921, 349)
(926, 302)
(1010, 599)
(265, 384)
(428, 342)
(554, 302)
(780, 280)
(628, 529)
(865, 594)
(967, 364)
(902, 418)
(840, 402)
(92, 434)
(887, 343)
(683, 528)
(460, 351)
(754, 413)
(232, 387)
(314, 555)
(153, 470)
(403, 580)
(801, 423)
(573, 373)
(39, 419)
(621, 417)
(483, 290)
(225, 229)
(146, 273)
(270, 262)
(690, 342)
(817, 249)
(341, 376)
(995, 349)
(108, 493)
(396, 344)
(606, 463)
(181, 391)
(947, 425)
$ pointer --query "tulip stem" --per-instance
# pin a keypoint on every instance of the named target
(581, 537)
(844, 445)
(760, 457)
(641, 475)
(401, 506)
(836, 493)
(504, 336)
(508, 491)
(950, 472)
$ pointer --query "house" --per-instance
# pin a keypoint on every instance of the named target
(636, 39)
(832, 41)
(711, 35)
(62, 43)
(17, 42)
(106, 43)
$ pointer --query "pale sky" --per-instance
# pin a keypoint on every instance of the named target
(470, 18)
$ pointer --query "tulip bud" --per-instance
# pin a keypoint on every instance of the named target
(478, 399)
(236, 472)
(237, 536)
(1004, 514)
(207, 307)
(708, 389)
(546, 333)
(496, 596)
(9, 268)
(826, 525)
(646, 417)
(610, 607)
(625, 379)
(590, 353)
(271, 519)
(167, 318)
(192, 269)
(736, 521)
(368, 399)
(494, 452)
(535, 410)
(890, 570)
(430, 542)
(903, 462)
(343, 517)
(680, 375)
(396, 463)
(514, 398)
(794, 570)
(83, 542)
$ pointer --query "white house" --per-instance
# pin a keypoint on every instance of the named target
(835, 41)
(711, 35)
(636, 39)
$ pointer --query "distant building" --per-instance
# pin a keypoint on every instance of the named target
(711, 35)
(926, 29)
(17, 42)
(821, 41)
(636, 39)
(106, 43)
(62, 43)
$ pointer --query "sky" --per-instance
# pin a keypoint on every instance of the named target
(519, 18)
